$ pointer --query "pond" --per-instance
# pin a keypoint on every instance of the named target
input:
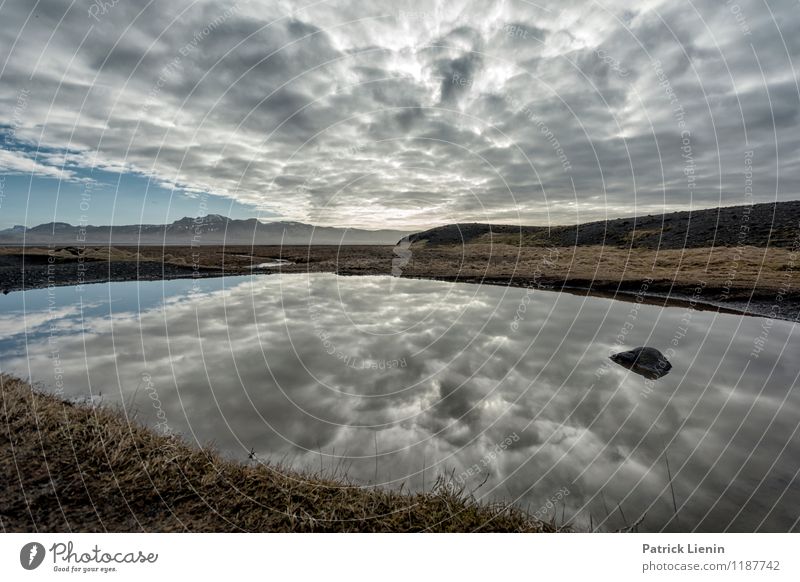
(506, 392)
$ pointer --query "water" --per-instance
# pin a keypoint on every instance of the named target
(394, 381)
(273, 263)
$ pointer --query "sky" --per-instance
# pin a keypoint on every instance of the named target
(394, 114)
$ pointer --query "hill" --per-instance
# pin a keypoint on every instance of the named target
(759, 225)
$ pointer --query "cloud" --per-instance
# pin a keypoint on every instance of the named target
(15, 162)
(339, 113)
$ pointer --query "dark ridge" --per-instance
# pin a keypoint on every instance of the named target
(775, 224)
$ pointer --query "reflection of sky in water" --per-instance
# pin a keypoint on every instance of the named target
(321, 371)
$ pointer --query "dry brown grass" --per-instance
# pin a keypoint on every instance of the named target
(68, 467)
(232, 257)
(741, 269)
(733, 277)
(66, 253)
(745, 268)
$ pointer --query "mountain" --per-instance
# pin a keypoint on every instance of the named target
(211, 229)
(773, 223)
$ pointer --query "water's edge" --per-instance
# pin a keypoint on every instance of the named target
(789, 310)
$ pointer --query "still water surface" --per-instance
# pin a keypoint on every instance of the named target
(509, 391)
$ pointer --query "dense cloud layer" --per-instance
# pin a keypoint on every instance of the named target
(409, 114)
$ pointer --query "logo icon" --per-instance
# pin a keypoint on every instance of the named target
(31, 555)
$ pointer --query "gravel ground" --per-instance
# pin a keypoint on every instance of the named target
(15, 278)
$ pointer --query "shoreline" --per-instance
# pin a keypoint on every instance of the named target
(77, 467)
(120, 272)
(528, 268)
(756, 307)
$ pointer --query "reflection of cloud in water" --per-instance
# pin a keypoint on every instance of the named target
(252, 366)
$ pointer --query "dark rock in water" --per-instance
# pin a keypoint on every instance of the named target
(647, 362)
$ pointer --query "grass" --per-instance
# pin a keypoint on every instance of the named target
(72, 468)
(739, 268)
(730, 273)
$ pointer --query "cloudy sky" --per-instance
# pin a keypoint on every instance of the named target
(394, 113)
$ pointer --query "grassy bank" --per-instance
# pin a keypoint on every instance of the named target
(745, 279)
(68, 467)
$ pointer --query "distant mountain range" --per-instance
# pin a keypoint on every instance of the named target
(211, 229)
(775, 224)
